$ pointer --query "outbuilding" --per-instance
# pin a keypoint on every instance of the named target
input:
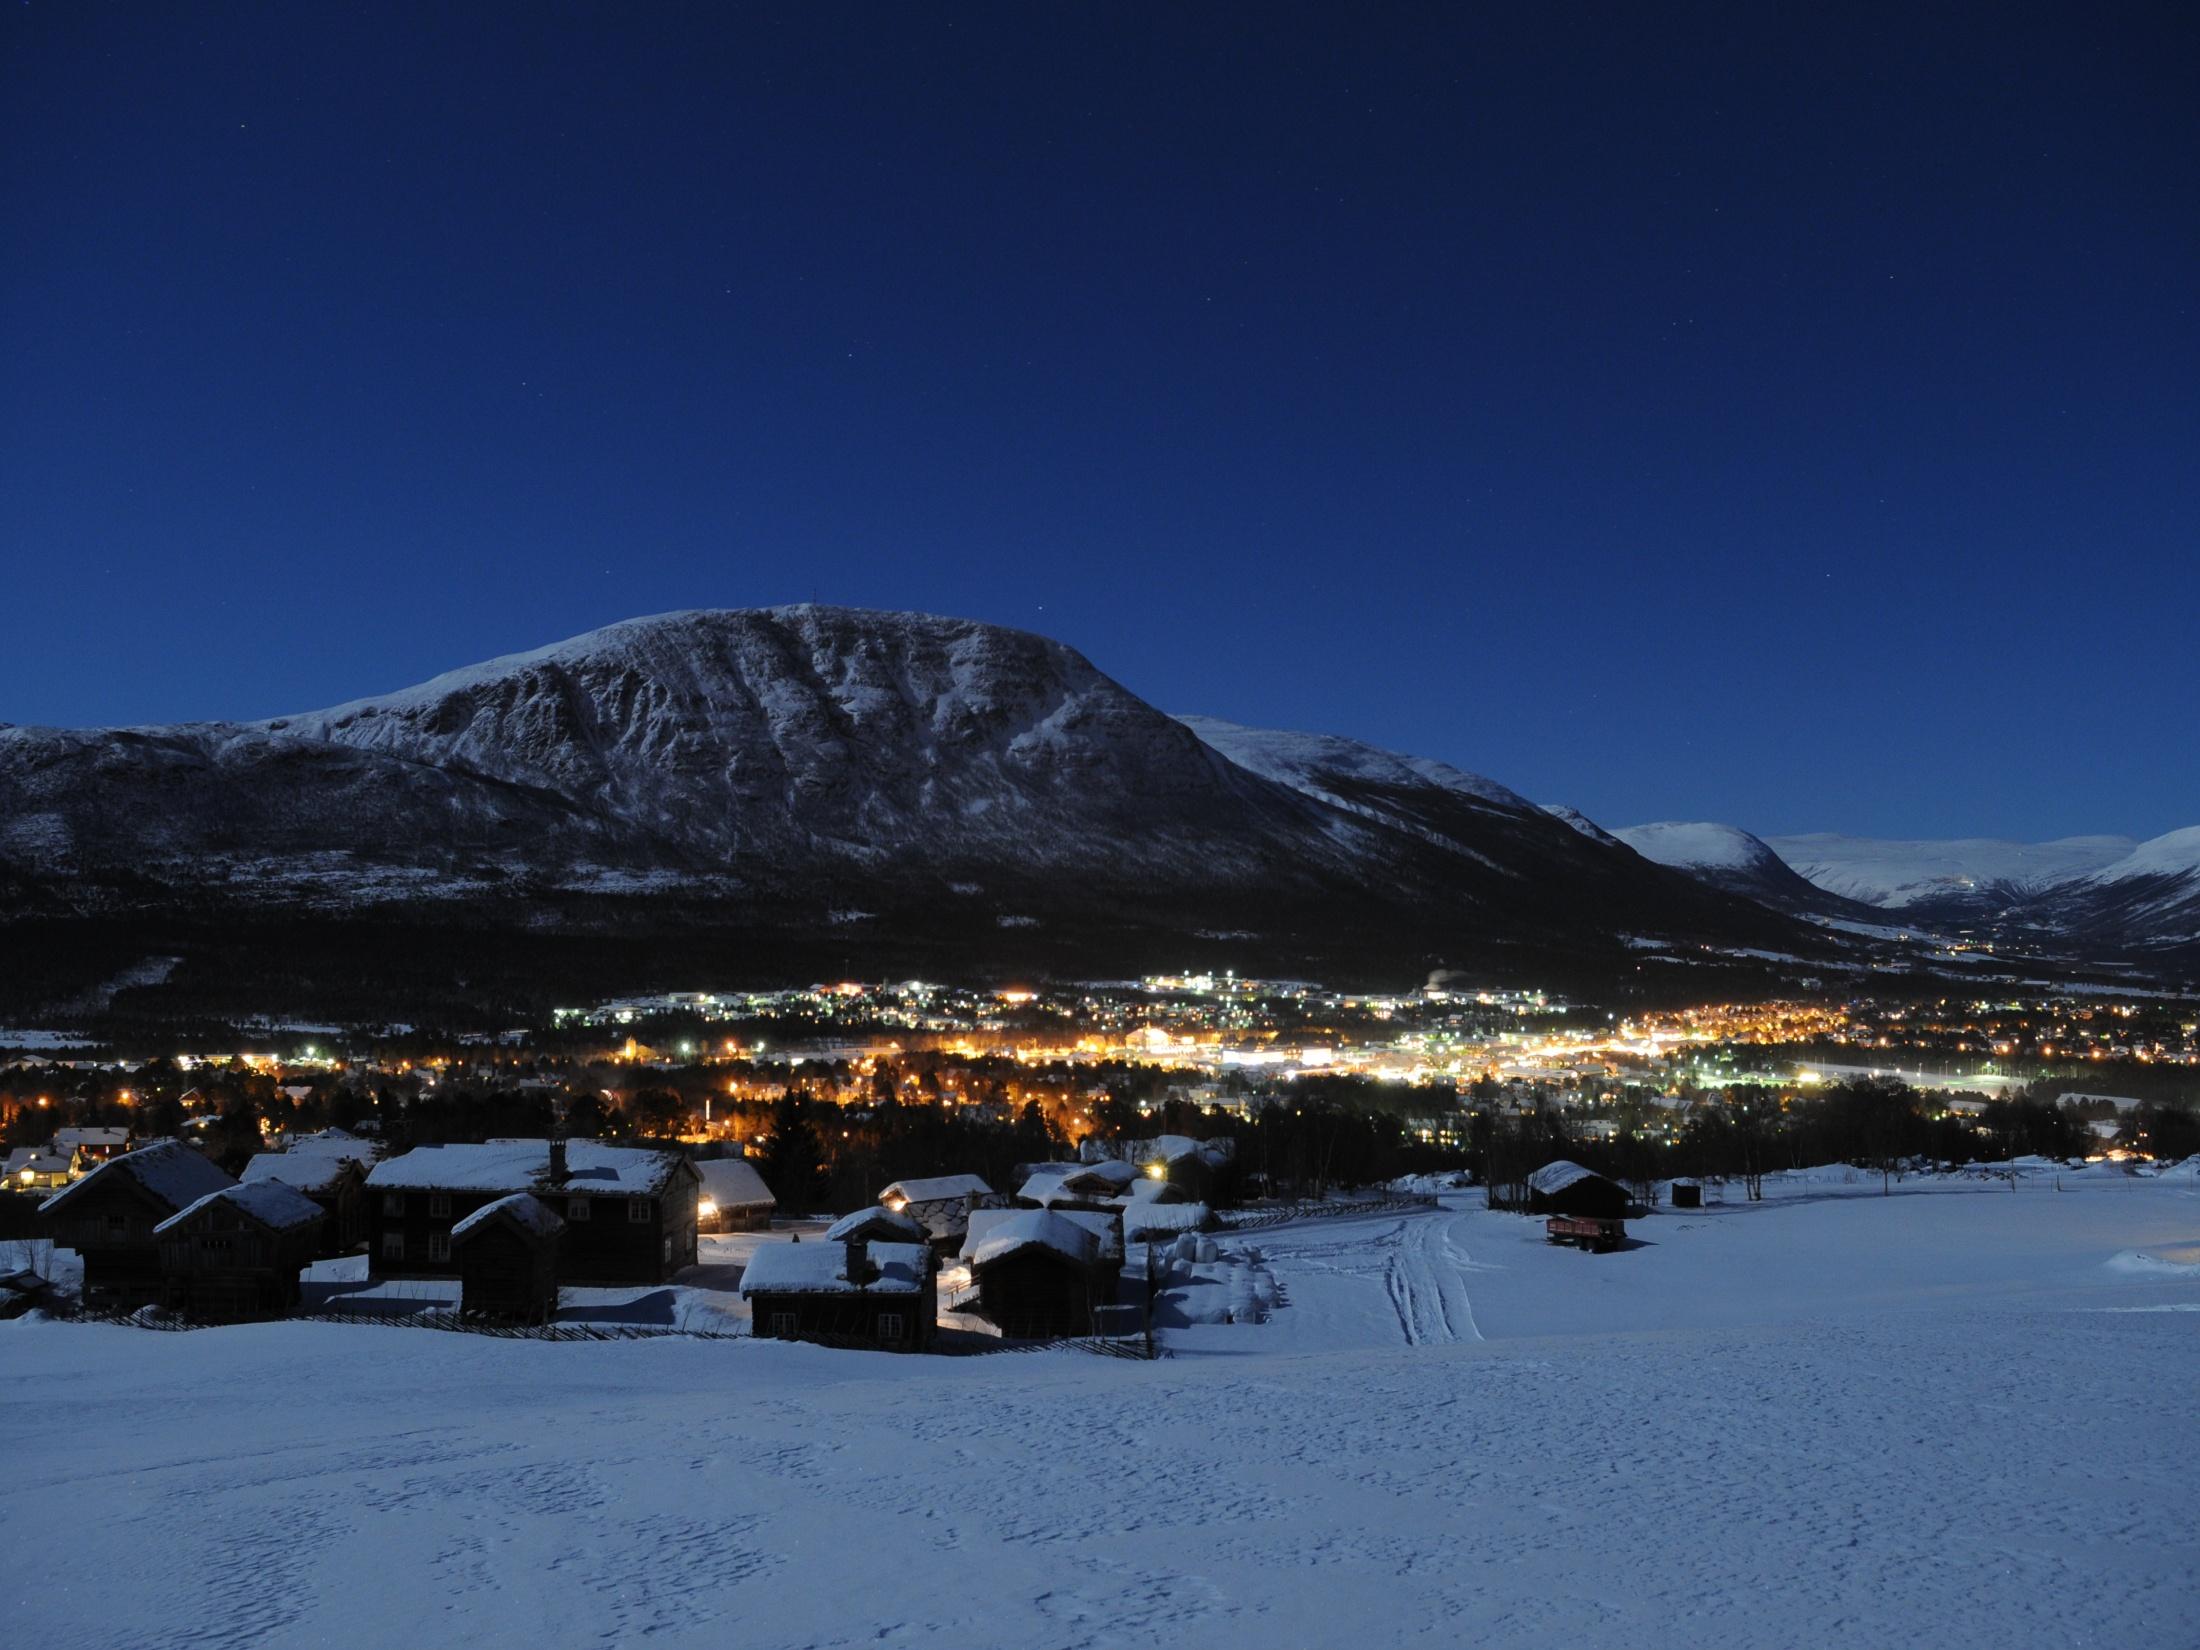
(1039, 1272)
(109, 1217)
(1566, 1188)
(881, 1295)
(234, 1255)
(332, 1173)
(507, 1255)
(733, 1198)
(941, 1204)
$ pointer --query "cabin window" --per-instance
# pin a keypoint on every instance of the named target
(116, 1225)
(393, 1245)
(783, 1324)
(889, 1326)
(637, 1211)
(576, 1208)
(439, 1203)
(439, 1246)
(393, 1203)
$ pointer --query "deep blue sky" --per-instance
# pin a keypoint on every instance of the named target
(1782, 415)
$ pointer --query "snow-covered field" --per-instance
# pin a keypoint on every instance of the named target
(1960, 1415)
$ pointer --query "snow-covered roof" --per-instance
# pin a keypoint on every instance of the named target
(936, 1189)
(276, 1206)
(822, 1269)
(1018, 1229)
(524, 1165)
(878, 1224)
(308, 1171)
(176, 1174)
(1081, 1184)
(1146, 1189)
(1163, 1217)
(37, 1159)
(67, 1140)
(523, 1209)
(335, 1143)
(733, 1183)
(1555, 1177)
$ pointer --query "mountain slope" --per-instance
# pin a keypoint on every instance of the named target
(1730, 858)
(787, 770)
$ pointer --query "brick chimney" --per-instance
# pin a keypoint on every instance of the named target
(859, 1261)
(557, 1160)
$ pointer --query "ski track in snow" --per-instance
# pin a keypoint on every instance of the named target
(1954, 1465)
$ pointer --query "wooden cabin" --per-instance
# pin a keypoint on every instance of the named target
(108, 1217)
(1566, 1188)
(507, 1254)
(335, 1178)
(875, 1225)
(1042, 1272)
(941, 1204)
(883, 1295)
(629, 1212)
(733, 1197)
(235, 1254)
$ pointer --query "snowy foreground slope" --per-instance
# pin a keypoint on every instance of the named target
(1957, 1416)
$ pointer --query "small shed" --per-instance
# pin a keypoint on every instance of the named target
(1077, 1185)
(1038, 1272)
(1565, 1188)
(235, 1254)
(882, 1295)
(507, 1255)
(734, 1197)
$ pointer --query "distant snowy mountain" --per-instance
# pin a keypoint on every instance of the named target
(1959, 879)
(2150, 898)
(1730, 858)
(1579, 821)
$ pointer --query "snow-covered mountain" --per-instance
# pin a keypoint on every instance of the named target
(817, 765)
(2150, 898)
(1964, 878)
(1730, 858)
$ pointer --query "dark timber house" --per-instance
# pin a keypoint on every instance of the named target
(883, 1295)
(507, 1254)
(108, 1217)
(1043, 1272)
(333, 1175)
(1565, 1188)
(235, 1254)
(629, 1211)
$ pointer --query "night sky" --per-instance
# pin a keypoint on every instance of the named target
(1782, 415)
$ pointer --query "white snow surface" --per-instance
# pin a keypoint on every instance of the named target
(517, 1164)
(821, 1268)
(2176, 854)
(1951, 1416)
(524, 1207)
(733, 1183)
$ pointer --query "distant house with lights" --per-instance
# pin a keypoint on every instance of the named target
(734, 1197)
(941, 1204)
(629, 1211)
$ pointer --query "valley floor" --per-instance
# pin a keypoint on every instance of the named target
(1956, 1416)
